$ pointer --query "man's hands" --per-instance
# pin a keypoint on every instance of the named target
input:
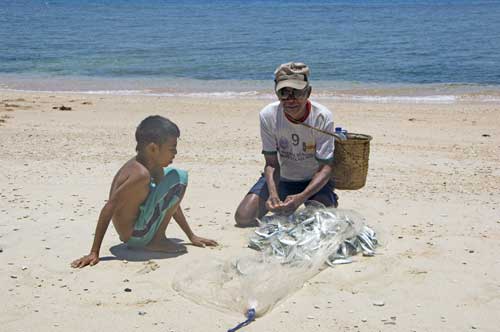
(291, 203)
(274, 204)
(91, 259)
(202, 242)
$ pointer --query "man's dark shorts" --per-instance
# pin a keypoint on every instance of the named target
(286, 188)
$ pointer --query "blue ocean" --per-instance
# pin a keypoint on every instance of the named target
(233, 46)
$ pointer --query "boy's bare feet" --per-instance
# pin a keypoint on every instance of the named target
(165, 245)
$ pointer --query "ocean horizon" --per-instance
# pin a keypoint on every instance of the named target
(435, 51)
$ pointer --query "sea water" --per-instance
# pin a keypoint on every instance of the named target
(434, 51)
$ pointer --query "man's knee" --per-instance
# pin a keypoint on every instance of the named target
(250, 208)
(244, 218)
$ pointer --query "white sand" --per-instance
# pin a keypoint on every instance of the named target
(432, 193)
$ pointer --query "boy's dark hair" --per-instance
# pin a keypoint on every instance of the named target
(155, 129)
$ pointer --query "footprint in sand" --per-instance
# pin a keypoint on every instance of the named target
(11, 105)
(4, 118)
(149, 266)
(13, 100)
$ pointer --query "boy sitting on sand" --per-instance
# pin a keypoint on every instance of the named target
(145, 194)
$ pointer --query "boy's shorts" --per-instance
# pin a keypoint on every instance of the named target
(161, 198)
(286, 188)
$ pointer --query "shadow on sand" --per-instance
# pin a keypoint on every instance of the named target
(123, 252)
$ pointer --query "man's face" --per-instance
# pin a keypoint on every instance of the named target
(293, 101)
(167, 151)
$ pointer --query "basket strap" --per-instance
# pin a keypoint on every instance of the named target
(337, 136)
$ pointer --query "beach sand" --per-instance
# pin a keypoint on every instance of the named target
(432, 195)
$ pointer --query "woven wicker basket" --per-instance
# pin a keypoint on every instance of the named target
(350, 166)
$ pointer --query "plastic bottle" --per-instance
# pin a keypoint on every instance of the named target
(340, 134)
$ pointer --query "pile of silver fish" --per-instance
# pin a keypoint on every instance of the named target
(298, 237)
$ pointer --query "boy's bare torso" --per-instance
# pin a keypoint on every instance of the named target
(131, 183)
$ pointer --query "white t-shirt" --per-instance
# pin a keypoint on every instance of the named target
(300, 149)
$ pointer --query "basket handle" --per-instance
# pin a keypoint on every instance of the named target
(337, 136)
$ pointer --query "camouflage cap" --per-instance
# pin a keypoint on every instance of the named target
(293, 75)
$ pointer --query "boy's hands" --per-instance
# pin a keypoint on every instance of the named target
(91, 259)
(202, 242)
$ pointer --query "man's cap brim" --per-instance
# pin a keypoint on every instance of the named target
(294, 84)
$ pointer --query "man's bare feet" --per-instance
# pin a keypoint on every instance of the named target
(166, 245)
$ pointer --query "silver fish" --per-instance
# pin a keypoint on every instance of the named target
(287, 239)
(298, 237)
(338, 261)
(366, 240)
(267, 231)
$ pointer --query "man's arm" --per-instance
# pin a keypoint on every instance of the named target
(198, 241)
(105, 216)
(319, 180)
(272, 175)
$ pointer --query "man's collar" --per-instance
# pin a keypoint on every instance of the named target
(303, 118)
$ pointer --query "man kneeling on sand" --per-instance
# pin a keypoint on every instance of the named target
(298, 154)
(145, 194)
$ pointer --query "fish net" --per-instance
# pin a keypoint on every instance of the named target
(289, 251)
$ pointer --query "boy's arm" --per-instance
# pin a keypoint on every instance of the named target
(105, 217)
(102, 225)
(195, 240)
